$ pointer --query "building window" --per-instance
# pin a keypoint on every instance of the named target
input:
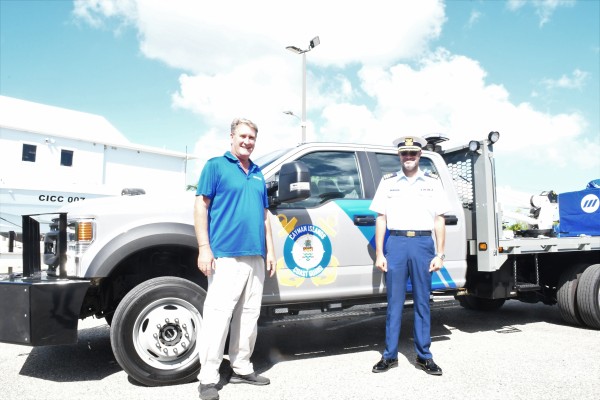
(29, 151)
(66, 158)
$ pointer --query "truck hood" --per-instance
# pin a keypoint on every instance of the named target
(145, 205)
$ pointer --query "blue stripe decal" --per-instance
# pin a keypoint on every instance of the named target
(444, 283)
(359, 207)
(448, 278)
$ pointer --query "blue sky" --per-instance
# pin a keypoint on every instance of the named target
(173, 74)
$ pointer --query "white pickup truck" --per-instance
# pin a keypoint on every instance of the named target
(132, 260)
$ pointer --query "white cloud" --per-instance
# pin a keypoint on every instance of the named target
(207, 36)
(543, 8)
(514, 5)
(575, 81)
(372, 79)
(95, 12)
(473, 18)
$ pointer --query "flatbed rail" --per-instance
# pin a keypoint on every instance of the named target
(548, 245)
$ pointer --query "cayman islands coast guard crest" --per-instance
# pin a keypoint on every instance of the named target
(307, 251)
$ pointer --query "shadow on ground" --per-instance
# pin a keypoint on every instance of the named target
(92, 359)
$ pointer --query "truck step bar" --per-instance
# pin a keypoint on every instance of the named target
(281, 315)
(527, 287)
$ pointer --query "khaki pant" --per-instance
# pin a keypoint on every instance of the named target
(233, 301)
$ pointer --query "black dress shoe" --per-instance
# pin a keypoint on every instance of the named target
(385, 364)
(428, 366)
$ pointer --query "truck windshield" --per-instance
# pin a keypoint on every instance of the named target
(267, 159)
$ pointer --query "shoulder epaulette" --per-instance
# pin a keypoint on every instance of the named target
(390, 175)
(431, 175)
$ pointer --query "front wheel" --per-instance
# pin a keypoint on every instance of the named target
(154, 331)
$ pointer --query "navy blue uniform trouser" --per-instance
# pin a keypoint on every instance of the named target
(408, 257)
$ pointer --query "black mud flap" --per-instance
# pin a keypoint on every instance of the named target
(40, 312)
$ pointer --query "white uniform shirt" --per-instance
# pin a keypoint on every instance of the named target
(410, 203)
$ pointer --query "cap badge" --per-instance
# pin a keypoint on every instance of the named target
(408, 142)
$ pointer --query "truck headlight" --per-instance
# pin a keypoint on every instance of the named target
(80, 235)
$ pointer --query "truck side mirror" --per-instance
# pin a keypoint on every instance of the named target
(294, 182)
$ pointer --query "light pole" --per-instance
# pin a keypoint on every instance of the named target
(313, 43)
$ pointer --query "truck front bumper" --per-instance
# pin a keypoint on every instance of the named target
(40, 312)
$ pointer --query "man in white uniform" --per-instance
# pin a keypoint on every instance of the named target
(410, 205)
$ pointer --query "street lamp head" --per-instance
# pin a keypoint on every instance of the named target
(292, 114)
(315, 42)
(295, 49)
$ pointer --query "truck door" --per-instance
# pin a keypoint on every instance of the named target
(324, 243)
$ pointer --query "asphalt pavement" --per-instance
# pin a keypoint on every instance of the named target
(522, 351)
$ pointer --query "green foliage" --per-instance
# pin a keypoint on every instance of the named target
(518, 226)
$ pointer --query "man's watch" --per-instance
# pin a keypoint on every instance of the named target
(441, 256)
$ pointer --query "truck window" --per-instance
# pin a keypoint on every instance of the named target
(334, 175)
(391, 163)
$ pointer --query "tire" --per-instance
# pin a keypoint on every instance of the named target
(480, 304)
(154, 331)
(567, 294)
(588, 296)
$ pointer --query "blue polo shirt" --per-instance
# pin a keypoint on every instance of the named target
(236, 215)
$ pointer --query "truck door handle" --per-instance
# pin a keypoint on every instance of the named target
(451, 219)
(364, 220)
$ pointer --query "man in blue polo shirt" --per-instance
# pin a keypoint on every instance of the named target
(235, 242)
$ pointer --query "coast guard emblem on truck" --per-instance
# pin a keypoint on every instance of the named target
(307, 251)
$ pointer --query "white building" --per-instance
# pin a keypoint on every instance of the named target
(50, 156)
